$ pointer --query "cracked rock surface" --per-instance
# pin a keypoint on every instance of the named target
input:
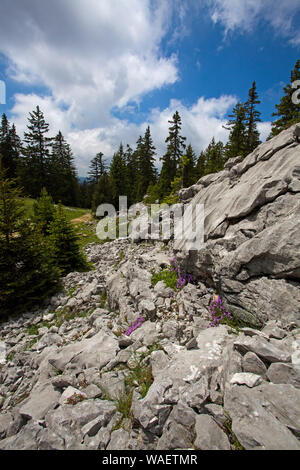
(70, 377)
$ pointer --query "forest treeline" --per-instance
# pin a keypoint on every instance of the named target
(36, 252)
(41, 161)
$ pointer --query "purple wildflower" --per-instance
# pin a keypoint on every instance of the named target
(136, 325)
(218, 312)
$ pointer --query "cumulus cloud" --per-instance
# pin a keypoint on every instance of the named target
(246, 15)
(91, 55)
(200, 122)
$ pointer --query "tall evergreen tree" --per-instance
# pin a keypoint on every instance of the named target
(238, 132)
(146, 168)
(118, 176)
(201, 165)
(44, 211)
(103, 192)
(175, 149)
(63, 183)
(214, 157)
(252, 118)
(97, 168)
(186, 168)
(65, 242)
(288, 113)
(131, 161)
(10, 145)
(27, 269)
(36, 153)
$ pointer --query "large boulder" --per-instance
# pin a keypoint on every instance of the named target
(251, 233)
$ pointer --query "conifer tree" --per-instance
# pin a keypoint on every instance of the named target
(65, 242)
(201, 165)
(97, 168)
(44, 211)
(27, 269)
(36, 153)
(252, 118)
(214, 157)
(287, 111)
(238, 133)
(10, 145)
(102, 193)
(176, 146)
(146, 169)
(131, 161)
(63, 183)
(118, 176)
(186, 168)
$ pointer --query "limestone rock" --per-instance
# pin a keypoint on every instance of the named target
(209, 436)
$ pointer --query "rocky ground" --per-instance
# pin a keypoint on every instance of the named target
(71, 378)
(117, 361)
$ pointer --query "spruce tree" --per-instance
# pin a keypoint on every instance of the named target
(236, 145)
(10, 145)
(102, 193)
(131, 161)
(288, 113)
(214, 157)
(65, 242)
(27, 269)
(252, 118)
(36, 153)
(44, 211)
(186, 168)
(118, 176)
(146, 168)
(63, 183)
(97, 168)
(175, 149)
(201, 165)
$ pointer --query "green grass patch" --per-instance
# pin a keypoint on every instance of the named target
(166, 275)
(142, 376)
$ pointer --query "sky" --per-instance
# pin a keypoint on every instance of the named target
(103, 70)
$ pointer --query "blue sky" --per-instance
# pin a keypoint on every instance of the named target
(102, 70)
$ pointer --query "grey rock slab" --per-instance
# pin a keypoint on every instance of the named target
(93, 352)
(283, 401)
(26, 439)
(6, 420)
(42, 398)
(262, 348)
(252, 363)
(146, 333)
(281, 373)
(159, 360)
(62, 381)
(255, 427)
(112, 384)
(175, 436)
(209, 436)
(2, 352)
(246, 378)
(217, 412)
(153, 410)
(103, 418)
(118, 440)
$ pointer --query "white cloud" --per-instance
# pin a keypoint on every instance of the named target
(94, 56)
(91, 55)
(245, 15)
(200, 122)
